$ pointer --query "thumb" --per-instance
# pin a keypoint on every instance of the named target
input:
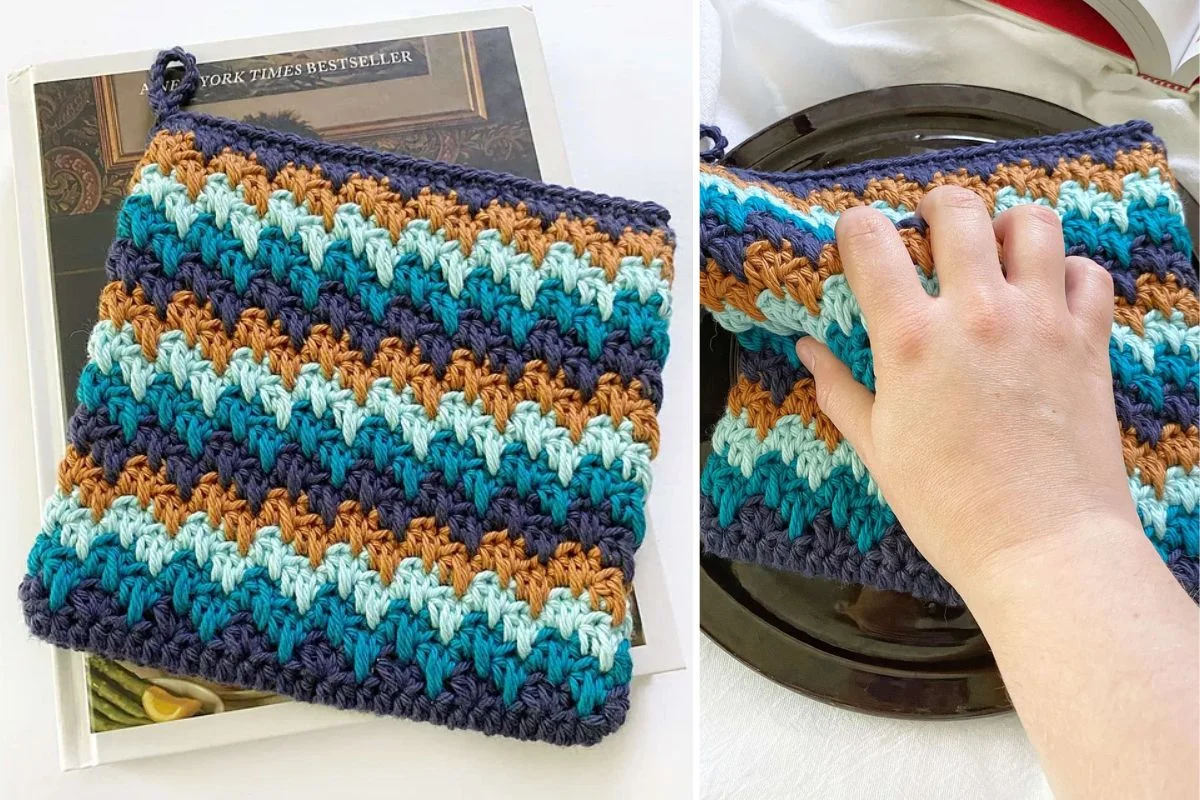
(844, 400)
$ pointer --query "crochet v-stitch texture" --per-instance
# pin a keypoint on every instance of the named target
(783, 489)
(363, 429)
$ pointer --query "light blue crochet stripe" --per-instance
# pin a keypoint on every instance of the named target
(69, 522)
(1092, 204)
(735, 442)
(1161, 331)
(819, 220)
(1089, 201)
(489, 255)
(839, 307)
(1181, 490)
(797, 444)
(787, 317)
(112, 350)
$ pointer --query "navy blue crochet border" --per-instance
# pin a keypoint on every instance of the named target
(406, 174)
(1102, 144)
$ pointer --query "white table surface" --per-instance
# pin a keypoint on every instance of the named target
(762, 60)
(625, 134)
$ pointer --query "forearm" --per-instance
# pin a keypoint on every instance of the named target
(1099, 648)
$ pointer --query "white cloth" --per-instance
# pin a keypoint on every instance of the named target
(762, 60)
(759, 740)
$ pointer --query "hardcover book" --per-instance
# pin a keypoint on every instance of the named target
(1159, 38)
(465, 88)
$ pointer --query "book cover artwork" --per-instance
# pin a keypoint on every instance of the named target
(453, 97)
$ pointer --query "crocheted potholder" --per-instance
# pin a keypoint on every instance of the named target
(366, 430)
(782, 488)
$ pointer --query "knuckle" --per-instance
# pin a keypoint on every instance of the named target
(1035, 215)
(1039, 228)
(1096, 288)
(863, 229)
(907, 339)
(954, 198)
(986, 316)
(1101, 280)
(985, 327)
(1103, 307)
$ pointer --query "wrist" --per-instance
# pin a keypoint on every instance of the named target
(1072, 554)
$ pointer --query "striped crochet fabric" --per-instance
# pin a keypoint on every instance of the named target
(365, 430)
(783, 489)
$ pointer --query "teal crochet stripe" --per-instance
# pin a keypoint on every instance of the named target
(119, 352)
(1169, 521)
(413, 590)
(173, 231)
(1160, 334)
(410, 638)
(1159, 357)
(459, 462)
(776, 483)
(1166, 359)
(1171, 371)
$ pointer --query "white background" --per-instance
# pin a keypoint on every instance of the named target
(621, 73)
(762, 60)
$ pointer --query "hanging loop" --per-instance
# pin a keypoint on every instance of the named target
(717, 151)
(168, 96)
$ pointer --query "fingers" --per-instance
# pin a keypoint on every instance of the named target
(962, 239)
(1089, 294)
(877, 265)
(1032, 238)
(844, 400)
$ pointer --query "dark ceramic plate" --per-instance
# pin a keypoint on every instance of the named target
(875, 651)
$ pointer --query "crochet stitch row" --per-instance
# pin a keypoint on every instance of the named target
(782, 488)
(365, 430)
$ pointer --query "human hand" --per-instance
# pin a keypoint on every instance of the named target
(992, 428)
